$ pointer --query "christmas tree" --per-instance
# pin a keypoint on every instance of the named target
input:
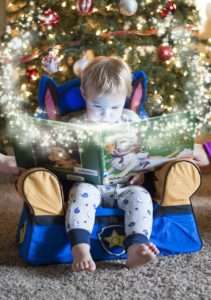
(61, 37)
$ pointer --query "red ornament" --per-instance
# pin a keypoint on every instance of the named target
(84, 7)
(27, 58)
(50, 18)
(32, 74)
(164, 12)
(169, 8)
(165, 52)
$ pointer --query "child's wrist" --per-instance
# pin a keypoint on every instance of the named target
(207, 149)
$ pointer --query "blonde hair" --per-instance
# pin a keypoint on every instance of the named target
(105, 75)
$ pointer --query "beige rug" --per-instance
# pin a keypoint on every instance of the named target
(176, 277)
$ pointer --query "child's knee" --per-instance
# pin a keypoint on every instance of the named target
(85, 191)
(140, 193)
(134, 196)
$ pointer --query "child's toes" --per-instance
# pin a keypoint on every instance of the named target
(85, 265)
(82, 266)
(92, 266)
(153, 248)
(157, 251)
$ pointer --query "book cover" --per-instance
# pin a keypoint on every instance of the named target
(141, 147)
(105, 154)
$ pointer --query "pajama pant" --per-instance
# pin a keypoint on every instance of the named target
(84, 198)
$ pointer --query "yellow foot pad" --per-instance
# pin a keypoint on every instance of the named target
(42, 192)
(177, 182)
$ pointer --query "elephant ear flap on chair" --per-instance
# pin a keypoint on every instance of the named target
(41, 232)
(139, 94)
(42, 192)
(175, 228)
(176, 183)
(56, 100)
(48, 99)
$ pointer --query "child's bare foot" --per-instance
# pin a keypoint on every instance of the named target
(140, 254)
(82, 259)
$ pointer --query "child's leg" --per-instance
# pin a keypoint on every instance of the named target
(80, 217)
(137, 204)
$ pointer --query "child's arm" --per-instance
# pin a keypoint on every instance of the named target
(137, 179)
(8, 165)
(202, 154)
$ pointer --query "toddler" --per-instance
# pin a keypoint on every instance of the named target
(105, 84)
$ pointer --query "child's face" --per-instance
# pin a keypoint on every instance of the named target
(106, 108)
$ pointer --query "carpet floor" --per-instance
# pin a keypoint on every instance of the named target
(173, 277)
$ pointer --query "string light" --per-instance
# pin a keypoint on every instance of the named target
(197, 94)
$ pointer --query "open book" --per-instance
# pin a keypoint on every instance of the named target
(105, 154)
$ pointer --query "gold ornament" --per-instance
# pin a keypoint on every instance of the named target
(12, 8)
(70, 60)
(15, 32)
(81, 64)
(92, 24)
(63, 68)
(12, 18)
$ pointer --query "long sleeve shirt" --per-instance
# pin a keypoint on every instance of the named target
(207, 148)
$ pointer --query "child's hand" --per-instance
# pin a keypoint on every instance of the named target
(137, 179)
(8, 165)
(199, 156)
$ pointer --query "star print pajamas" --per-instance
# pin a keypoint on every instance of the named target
(84, 198)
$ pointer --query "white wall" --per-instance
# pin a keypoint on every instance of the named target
(204, 7)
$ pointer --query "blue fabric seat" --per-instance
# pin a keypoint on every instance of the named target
(174, 228)
(173, 233)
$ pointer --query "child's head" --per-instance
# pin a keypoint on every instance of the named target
(105, 84)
